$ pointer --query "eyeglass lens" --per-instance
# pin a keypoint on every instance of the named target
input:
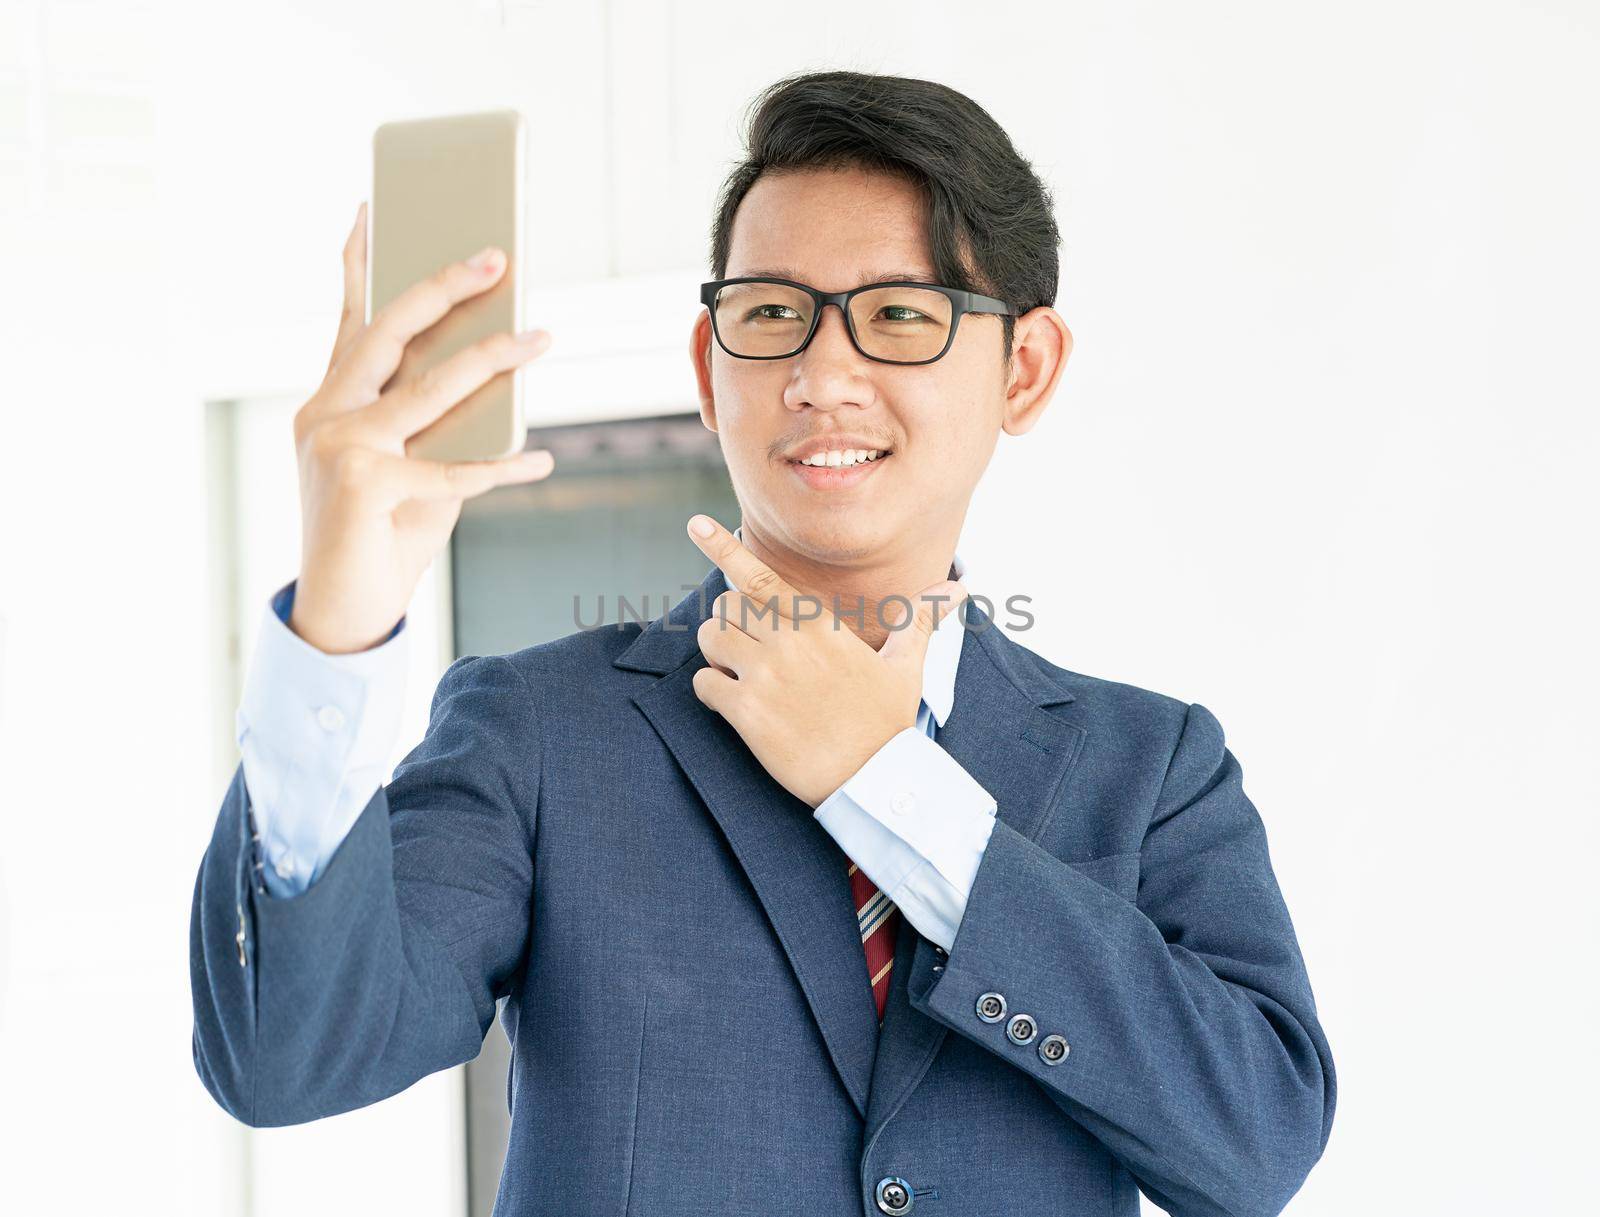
(903, 324)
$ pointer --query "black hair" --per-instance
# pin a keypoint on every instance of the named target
(991, 222)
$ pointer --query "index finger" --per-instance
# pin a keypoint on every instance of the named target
(377, 353)
(741, 568)
(354, 314)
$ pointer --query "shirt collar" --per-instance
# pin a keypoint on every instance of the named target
(944, 651)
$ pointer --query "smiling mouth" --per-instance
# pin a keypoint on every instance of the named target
(844, 459)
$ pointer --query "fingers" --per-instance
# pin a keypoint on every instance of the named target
(415, 478)
(377, 351)
(907, 643)
(735, 611)
(716, 690)
(354, 314)
(727, 646)
(742, 569)
(406, 411)
(932, 605)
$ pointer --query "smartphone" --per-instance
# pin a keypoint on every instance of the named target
(442, 189)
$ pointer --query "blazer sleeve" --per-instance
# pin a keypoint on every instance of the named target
(389, 966)
(1193, 1048)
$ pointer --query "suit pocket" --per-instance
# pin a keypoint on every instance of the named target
(733, 1089)
(633, 1112)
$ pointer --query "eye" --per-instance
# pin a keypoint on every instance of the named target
(908, 313)
(762, 310)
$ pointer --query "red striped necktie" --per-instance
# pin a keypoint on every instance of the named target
(878, 916)
(879, 919)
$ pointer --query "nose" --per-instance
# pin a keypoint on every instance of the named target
(830, 372)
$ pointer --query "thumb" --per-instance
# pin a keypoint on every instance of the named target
(908, 641)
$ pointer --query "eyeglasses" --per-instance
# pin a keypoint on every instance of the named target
(900, 321)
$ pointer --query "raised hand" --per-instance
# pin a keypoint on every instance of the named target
(372, 518)
(810, 699)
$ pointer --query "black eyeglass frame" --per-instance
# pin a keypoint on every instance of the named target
(961, 303)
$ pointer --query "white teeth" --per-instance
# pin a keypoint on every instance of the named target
(842, 457)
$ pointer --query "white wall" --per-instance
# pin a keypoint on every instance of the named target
(1322, 462)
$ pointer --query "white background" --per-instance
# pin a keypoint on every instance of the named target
(1323, 461)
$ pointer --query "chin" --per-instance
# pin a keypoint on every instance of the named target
(833, 537)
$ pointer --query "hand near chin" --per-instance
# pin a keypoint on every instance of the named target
(810, 699)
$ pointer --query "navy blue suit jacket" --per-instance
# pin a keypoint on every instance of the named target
(686, 994)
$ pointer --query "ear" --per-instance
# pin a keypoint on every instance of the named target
(1042, 342)
(700, 356)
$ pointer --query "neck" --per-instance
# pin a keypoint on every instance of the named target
(858, 592)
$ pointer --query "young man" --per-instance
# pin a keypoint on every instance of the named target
(812, 895)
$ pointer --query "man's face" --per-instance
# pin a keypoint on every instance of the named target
(937, 423)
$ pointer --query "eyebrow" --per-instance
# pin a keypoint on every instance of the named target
(884, 276)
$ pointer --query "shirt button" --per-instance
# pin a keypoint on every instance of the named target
(331, 718)
(285, 867)
(902, 803)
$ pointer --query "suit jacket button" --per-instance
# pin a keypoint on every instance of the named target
(1021, 1029)
(893, 1196)
(1053, 1049)
(992, 1007)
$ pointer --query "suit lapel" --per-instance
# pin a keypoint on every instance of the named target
(1000, 732)
(797, 869)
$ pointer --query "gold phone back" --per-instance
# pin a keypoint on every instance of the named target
(442, 189)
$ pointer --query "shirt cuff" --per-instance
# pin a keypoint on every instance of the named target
(917, 824)
(311, 725)
(921, 793)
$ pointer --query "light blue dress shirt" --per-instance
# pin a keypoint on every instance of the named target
(315, 732)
